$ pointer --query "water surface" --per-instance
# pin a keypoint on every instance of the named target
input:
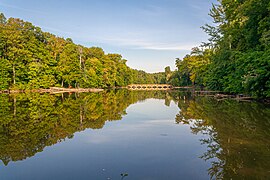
(139, 134)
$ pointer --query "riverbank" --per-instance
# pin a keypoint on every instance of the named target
(53, 90)
(220, 96)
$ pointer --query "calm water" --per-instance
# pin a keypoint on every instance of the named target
(141, 135)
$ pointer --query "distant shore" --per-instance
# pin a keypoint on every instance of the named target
(216, 94)
(53, 90)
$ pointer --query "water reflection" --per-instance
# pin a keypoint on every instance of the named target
(236, 134)
(30, 122)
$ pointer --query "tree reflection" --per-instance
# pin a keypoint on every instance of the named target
(237, 135)
(30, 122)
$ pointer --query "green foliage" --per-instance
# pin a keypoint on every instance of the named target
(5, 79)
(192, 69)
(236, 58)
(32, 59)
(168, 74)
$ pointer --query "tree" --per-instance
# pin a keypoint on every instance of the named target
(33, 59)
(168, 73)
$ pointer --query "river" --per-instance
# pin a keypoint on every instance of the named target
(132, 135)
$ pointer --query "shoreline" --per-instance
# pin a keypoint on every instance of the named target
(216, 94)
(52, 90)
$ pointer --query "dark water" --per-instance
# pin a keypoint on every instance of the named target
(132, 135)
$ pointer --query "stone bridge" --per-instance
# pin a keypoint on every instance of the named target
(149, 86)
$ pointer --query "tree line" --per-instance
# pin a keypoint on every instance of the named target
(236, 58)
(32, 59)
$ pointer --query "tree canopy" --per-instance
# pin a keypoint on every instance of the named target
(236, 59)
(32, 59)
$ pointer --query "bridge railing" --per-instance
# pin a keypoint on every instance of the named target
(149, 86)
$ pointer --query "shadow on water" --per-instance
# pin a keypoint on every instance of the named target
(237, 134)
(30, 122)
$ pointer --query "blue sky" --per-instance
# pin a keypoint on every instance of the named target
(150, 34)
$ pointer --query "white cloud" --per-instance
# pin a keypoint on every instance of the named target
(50, 29)
(144, 44)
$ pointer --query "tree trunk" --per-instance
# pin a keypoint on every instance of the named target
(80, 52)
(14, 74)
(80, 61)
